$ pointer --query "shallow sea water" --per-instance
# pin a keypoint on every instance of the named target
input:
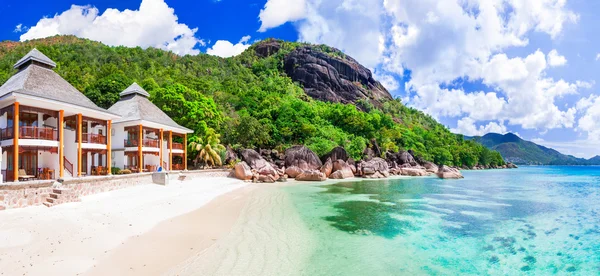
(529, 221)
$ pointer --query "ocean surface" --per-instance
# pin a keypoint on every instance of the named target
(528, 221)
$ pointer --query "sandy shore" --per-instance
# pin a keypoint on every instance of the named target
(75, 238)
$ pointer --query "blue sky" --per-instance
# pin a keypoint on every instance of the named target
(523, 66)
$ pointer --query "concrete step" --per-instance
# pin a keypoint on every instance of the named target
(48, 204)
(57, 191)
(55, 196)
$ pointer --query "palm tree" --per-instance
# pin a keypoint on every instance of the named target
(208, 148)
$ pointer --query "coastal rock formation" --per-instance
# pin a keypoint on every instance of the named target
(293, 171)
(446, 172)
(311, 176)
(337, 153)
(430, 167)
(259, 165)
(401, 158)
(511, 166)
(327, 168)
(242, 171)
(303, 158)
(342, 170)
(375, 168)
(230, 156)
(413, 172)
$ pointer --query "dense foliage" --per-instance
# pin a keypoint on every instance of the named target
(247, 100)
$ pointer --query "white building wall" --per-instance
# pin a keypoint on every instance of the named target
(118, 159)
(50, 161)
(71, 149)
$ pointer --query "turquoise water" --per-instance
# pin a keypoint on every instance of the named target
(529, 221)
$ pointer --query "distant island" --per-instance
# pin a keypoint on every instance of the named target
(522, 152)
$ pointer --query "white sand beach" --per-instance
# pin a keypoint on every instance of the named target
(81, 238)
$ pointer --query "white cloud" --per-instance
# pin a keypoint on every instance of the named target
(224, 48)
(555, 60)
(415, 35)
(466, 126)
(278, 12)
(598, 57)
(154, 24)
(20, 28)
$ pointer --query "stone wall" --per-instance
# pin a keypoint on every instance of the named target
(33, 193)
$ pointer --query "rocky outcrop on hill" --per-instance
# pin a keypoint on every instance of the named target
(327, 74)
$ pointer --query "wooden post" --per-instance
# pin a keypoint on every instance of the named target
(185, 152)
(79, 150)
(170, 150)
(16, 143)
(140, 152)
(160, 153)
(109, 147)
(61, 144)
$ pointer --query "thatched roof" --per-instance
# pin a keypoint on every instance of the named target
(35, 79)
(135, 105)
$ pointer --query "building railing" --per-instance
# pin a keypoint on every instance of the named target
(30, 132)
(151, 143)
(178, 146)
(93, 138)
(68, 166)
(7, 133)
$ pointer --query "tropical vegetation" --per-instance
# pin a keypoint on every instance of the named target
(247, 100)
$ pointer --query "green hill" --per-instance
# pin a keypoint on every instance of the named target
(519, 151)
(273, 95)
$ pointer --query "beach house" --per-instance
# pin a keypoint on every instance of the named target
(49, 129)
(145, 138)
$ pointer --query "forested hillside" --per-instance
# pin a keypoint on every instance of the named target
(518, 151)
(251, 101)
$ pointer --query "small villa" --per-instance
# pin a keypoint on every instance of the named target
(50, 130)
(145, 137)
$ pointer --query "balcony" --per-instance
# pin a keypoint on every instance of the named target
(30, 132)
(151, 143)
(93, 138)
(178, 146)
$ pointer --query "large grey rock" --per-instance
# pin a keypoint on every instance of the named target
(257, 162)
(327, 167)
(331, 77)
(341, 174)
(430, 167)
(242, 171)
(337, 153)
(413, 172)
(311, 176)
(230, 156)
(302, 157)
(446, 172)
(293, 171)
